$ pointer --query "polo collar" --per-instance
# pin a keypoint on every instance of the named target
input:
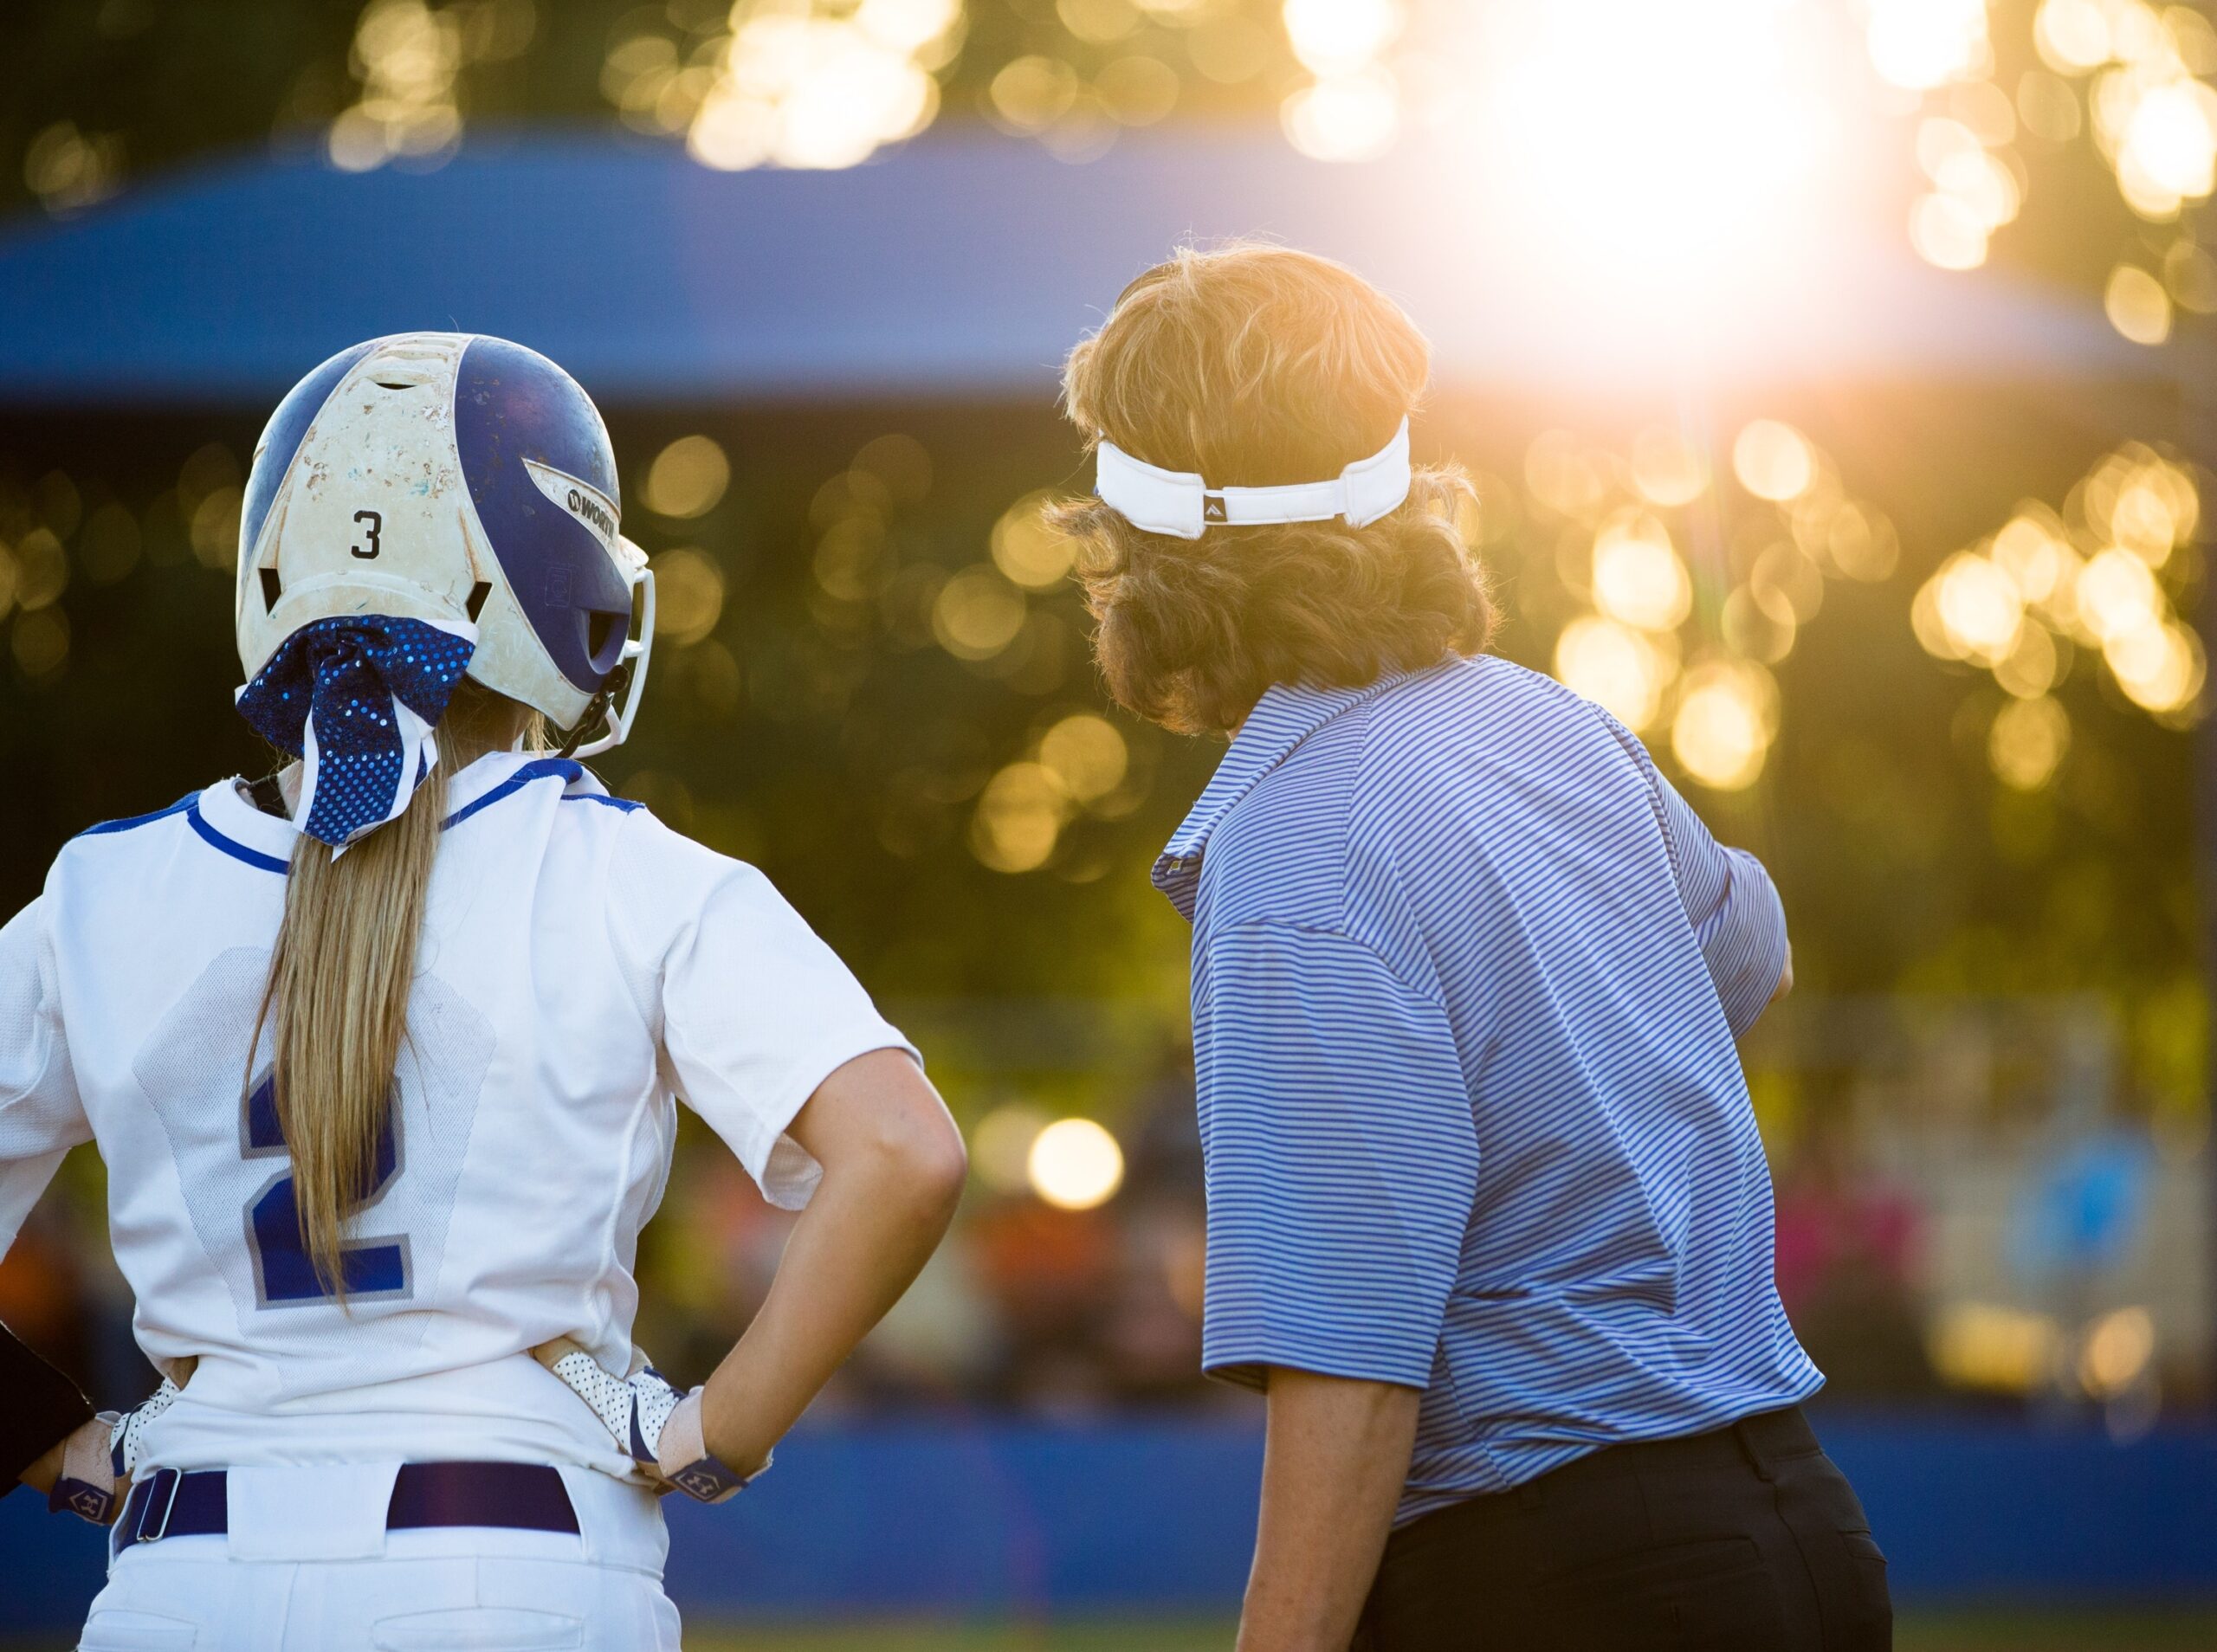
(1288, 714)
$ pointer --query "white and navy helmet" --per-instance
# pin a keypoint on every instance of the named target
(453, 478)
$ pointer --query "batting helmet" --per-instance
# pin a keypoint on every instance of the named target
(449, 477)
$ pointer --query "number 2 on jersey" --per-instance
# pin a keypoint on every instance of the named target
(282, 1265)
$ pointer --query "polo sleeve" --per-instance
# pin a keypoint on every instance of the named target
(1732, 906)
(41, 1116)
(751, 1010)
(1341, 1153)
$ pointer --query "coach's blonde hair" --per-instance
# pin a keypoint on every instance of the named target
(336, 1002)
(1257, 365)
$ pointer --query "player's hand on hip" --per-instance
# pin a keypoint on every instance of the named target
(100, 1458)
(655, 1423)
(87, 1485)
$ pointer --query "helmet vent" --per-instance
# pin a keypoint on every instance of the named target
(273, 588)
(599, 625)
(478, 593)
(398, 384)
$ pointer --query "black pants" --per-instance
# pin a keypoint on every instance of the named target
(1747, 1539)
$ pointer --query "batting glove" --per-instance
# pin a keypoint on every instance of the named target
(655, 1423)
(99, 1460)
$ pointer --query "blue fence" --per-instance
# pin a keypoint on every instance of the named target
(997, 1519)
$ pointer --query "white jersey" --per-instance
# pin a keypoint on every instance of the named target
(581, 967)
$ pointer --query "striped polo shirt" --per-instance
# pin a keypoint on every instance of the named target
(1467, 974)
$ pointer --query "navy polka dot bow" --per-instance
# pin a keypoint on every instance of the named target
(358, 699)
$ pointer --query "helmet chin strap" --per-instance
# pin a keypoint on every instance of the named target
(596, 713)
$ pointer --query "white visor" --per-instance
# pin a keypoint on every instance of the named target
(1180, 503)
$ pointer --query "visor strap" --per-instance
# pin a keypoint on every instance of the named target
(1180, 503)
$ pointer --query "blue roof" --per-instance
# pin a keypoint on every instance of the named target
(965, 263)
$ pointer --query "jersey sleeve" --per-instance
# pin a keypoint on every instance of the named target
(1732, 906)
(753, 1010)
(1340, 1157)
(1729, 899)
(41, 1116)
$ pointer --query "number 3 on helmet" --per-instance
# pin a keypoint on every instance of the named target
(449, 477)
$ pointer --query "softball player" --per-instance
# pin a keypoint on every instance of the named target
(382, 1055)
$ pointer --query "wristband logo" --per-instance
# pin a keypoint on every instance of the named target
(86, 1501)
(706, 1480)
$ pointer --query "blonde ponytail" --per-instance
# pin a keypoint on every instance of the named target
(339, 978)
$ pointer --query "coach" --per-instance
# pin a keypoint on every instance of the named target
(1489, 1218)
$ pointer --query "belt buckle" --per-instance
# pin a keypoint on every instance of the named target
(161, 1486)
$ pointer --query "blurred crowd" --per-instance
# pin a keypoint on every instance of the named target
(1047, 1305)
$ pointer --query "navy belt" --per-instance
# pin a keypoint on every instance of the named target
(523, 1496)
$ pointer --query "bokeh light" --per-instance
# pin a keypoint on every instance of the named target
(2153, 118)
(1087, 754)
(68, 170)
(1976, 188)
(1000, 1146)
(1773, 460)
(1626, 672)
(1667, 468)
(2118, 1348)
(1648, 650)
(2072, 36)
(1032, 93)
(41, 570)
(1920, 44)
(1346, 118)
(1985, 1346)
(2136, 305)
(978, 613)
(1027, 548)
(40, 643)
(1563, 477)
(689, 594)
(409, 58)
(2027, 742)
(1019, 818)
(1639, 577)
(687, 478)
(821, 83)
(1076, 1165)
(1657, 148)
(1979, 607)
(2016, 604)
(1726, 719)
(1339, 36)
(1351, 111)
(1757, 624)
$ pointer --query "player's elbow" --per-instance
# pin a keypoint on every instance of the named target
(931, 1163)
(941, 1171)
(900, 1147)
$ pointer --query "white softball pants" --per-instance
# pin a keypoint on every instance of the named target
(308, 1566)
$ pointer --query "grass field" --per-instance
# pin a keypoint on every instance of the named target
(2176, 1629)
(2154, 1630)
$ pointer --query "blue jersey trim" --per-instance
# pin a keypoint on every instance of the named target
(237, 851)
(538, 769)
(181, 804)
(566, 770)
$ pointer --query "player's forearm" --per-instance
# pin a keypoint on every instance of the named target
(43, 1408)
(1335, 1460)
(892, 1168)
(40, 1476)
